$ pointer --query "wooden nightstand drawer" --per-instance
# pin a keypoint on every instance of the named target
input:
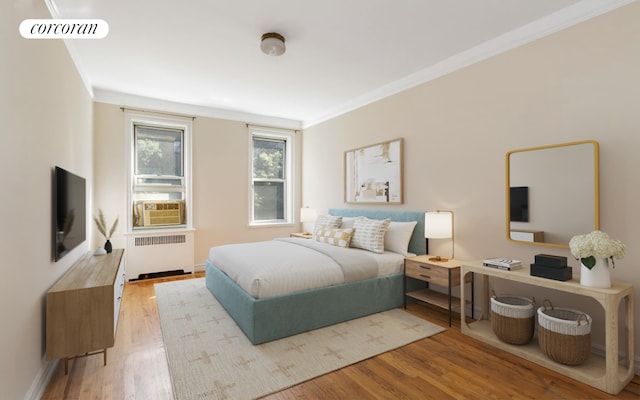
(432, 273)
(444, 273)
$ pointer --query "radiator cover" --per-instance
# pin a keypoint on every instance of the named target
(159, 251)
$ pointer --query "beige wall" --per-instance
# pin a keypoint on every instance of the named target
(220, 180)
(46, 120)
(581, 83)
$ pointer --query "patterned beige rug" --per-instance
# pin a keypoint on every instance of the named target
(211, 358)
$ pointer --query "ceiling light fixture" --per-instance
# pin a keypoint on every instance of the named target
(272, 44)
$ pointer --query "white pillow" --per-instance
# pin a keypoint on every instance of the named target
(326, 221)
(347, 222)
(398, 237)
(334, 236)
(369, 234)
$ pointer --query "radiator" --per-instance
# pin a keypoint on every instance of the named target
(154, 252)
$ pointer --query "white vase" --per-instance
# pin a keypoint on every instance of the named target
(598, 277)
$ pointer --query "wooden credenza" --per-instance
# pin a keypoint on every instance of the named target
(82, 307)
(610, 373)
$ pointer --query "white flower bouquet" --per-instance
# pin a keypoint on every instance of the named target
(596, 244)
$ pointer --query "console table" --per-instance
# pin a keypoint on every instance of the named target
(607, 374)
(82, 308)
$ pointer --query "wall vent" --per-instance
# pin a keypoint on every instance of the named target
(160, 240)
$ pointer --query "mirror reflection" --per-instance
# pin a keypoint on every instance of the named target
(552, 193)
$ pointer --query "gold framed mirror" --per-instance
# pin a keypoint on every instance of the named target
(552, 193)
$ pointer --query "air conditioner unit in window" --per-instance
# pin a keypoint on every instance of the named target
(157, 213)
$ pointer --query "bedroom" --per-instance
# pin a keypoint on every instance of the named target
(586, 88)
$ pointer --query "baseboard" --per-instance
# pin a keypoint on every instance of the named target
(39, 384)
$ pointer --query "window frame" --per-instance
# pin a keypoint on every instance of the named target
(289, 161)
(162, 122)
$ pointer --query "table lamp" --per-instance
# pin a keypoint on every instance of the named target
(307, 215)
(439, 225)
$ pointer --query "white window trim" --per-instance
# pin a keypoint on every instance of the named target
(289, 138)
(184, 123)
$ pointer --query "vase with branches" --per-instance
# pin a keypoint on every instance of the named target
(101, 223)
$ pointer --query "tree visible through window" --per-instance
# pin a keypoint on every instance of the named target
(158, 151)
(159, 189)
(271, 181)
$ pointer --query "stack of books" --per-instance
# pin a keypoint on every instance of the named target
(502, 263)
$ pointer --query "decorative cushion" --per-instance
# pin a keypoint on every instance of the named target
(347, 222)
(398, 236)
(326, 221)
(334, 236)
(369, 234)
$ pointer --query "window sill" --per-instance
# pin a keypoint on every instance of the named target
(272, 225)
(160, 229)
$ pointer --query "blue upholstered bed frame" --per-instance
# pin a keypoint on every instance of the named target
(267, 319)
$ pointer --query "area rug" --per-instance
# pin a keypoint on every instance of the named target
(211, 358)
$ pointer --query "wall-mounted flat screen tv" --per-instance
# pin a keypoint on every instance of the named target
(519, 203)
(69, 211)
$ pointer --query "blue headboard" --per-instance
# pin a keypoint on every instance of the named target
(417, 244)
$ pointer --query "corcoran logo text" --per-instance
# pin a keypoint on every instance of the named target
(64, 28)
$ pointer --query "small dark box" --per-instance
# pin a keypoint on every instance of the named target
(555, 273)
(551, 260)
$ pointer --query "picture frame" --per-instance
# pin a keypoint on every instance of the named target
(373, 174)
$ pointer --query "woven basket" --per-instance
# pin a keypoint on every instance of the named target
(564, 335)
(513, 318)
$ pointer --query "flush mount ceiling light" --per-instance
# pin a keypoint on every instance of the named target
(272, 44)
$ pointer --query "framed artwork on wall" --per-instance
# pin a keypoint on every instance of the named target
(373, 174)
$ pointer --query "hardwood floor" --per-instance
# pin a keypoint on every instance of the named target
(445, 366)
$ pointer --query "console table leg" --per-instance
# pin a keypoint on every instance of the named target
(473, 277)
(485, 297)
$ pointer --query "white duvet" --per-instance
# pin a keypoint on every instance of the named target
(283, 266)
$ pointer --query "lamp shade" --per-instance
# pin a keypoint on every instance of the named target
(438, 225)
(307, 214)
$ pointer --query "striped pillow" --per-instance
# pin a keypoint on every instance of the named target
(369, 234)
(334, 236)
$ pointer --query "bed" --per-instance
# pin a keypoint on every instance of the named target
(275, 316)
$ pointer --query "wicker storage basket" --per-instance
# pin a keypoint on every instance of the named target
(513, 318)
(564, 335)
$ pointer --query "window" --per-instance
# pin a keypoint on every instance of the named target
(159, 175)
(271, 176)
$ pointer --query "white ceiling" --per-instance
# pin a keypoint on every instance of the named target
(203, 56)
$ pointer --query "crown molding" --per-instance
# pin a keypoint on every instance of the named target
(565, 18)
(151, 104)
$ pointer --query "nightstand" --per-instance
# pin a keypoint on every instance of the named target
(301, 235)
(440, 273)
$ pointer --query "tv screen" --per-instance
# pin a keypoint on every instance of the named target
(69, 212)
(519, 207)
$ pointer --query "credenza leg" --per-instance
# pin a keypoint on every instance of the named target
(66, 360)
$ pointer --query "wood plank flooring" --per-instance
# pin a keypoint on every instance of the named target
(445, 366)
